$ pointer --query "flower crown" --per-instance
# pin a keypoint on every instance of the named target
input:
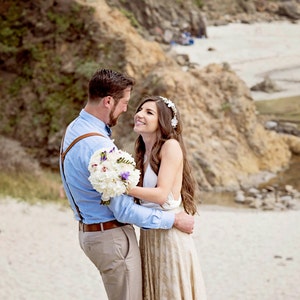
(170, 104)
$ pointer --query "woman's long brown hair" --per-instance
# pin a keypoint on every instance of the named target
(166, 132)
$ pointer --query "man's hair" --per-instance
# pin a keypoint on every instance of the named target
(107, 82)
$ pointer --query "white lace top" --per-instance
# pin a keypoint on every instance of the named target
(150, 180)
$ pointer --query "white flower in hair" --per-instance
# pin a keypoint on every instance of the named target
(171, 104)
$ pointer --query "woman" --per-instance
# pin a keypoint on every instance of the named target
(170, 264)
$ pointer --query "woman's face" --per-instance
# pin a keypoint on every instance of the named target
(146, 119)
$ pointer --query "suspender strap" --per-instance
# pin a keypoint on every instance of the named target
(62, 157)
(63, 154)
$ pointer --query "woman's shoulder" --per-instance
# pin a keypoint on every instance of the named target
(171, 146)
(171, 143)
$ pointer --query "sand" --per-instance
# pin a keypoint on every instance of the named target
(253, 52)
(244, 254)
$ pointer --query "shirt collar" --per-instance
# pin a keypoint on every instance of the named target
(95, 122)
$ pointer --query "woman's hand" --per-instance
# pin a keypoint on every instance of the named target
(184, 222)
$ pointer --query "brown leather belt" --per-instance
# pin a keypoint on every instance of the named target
(100, 226)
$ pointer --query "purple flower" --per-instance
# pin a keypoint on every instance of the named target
(125, 175)
(103, 156)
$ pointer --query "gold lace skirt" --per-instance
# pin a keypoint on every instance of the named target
(171, 269)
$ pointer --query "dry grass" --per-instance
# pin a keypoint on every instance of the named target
(23, 178)
(286, 109)
(31, 188)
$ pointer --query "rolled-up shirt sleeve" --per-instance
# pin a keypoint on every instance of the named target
(126, 211)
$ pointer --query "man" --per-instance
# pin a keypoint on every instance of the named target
(104, 233)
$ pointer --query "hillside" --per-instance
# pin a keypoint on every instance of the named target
(49, 50)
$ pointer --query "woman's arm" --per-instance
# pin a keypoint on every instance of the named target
(171, 164)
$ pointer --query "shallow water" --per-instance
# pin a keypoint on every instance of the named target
(291, 176)
(219, 199)
(284, 110)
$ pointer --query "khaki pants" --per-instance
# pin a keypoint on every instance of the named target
(116, 255)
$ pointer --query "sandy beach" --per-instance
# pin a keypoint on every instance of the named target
(244, 254)
(253, 52)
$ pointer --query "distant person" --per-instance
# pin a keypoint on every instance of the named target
(171, 269)
(105, 234)
(186, 39)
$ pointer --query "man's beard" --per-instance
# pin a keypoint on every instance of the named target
(112, 120)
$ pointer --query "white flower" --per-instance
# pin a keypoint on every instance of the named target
(171, 105)
(112, 173)
(174, 122)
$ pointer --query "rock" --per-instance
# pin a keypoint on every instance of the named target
(239, 197)
(294, 204)
(289, 188)
(68, 67)
(253, 191)
(288, 128)
(289, 9)
(249, 200)
(168, 36)
(293, 142)
(270, 197)
(267, 86)
(279, 206)
(182, 59)
(255, 204)
(271, 125)
(286, 200)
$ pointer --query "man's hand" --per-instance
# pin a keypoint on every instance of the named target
(184, 222)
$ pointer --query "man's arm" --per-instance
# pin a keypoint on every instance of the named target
(126, 211)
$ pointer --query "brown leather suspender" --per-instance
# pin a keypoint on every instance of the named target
(62, 159)
(63, 154)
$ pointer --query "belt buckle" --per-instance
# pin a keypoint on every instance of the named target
(101, 227)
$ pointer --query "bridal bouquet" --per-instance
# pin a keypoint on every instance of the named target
(112, 173)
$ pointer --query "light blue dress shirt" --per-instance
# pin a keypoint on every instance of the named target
(87, 199)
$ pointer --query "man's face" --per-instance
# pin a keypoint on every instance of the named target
(121, 107)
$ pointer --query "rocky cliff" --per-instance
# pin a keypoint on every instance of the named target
(164, 21)
(48, 51)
